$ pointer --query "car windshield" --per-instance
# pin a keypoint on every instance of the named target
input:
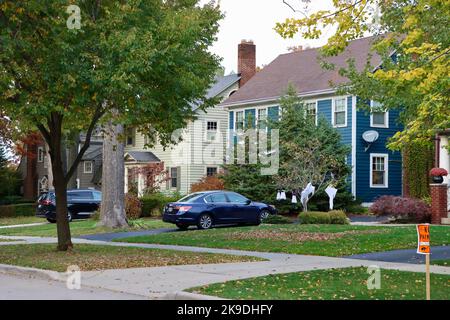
(191, 198)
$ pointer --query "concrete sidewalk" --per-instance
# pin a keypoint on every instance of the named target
(157, 283)
(24, 225)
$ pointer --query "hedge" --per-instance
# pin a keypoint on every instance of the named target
(277, 219)
(18, 210)
(153, 204)
(332, 217)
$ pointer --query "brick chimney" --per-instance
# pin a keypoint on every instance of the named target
(246, 61)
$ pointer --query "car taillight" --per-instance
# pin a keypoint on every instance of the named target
(45, 202)
(183, 208)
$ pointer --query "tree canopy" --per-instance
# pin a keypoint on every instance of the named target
(67, 68)
(413, 44)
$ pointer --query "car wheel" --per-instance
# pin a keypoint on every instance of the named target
(51, 220)
(69, 217)
(264, 214)
(182, 226)
(205, 222)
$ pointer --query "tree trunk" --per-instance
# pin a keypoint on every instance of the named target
(112, 210)
(62, 222)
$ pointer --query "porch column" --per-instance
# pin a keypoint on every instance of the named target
(439, 211)
(444, 157)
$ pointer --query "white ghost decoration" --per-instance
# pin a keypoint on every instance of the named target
(331, 192)
(294, 198)
(283, 195)
(310, 189)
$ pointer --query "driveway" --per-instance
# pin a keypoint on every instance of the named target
(405, 256)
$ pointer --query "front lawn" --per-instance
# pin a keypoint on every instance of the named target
(324, 240)
(92, 257)
(20, 220)
(79, 227)
(445, 263)
(334, 284)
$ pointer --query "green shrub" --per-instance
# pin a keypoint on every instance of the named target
(277, 219)
(153, 204)
(332, 217)
(314, 217)
(17, 210)
(14, 200)
(338, 217)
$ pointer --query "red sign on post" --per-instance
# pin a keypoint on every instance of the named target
(423, 239)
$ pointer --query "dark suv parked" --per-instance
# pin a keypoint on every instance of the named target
(81, 204)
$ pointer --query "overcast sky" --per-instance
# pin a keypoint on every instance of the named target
(255, 20)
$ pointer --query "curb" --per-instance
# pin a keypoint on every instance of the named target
(182, 295)
(31, 272)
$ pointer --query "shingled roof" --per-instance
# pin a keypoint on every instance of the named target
(302, 69)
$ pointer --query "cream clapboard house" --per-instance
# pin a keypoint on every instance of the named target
(200, 153)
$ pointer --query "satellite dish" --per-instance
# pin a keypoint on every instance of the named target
(370, 137)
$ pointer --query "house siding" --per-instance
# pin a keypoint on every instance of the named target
(194, 154)
(363, 190)
(361, 165)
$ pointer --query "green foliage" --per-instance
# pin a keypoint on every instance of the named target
(416, 80)
(9, 177)
(308, 153)
(247, 180)
(332, 217)
(14, 200)
(153, 204)
(277, 219)
(16, 210)
(418, 161)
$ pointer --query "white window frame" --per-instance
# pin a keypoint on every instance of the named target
(177, 177)
(207, 167)
(266, 111)
(84, 167)
(333, 110)
(386, 118)
(236, 120)
(40, 154)
(386, 170)
(211, 135)
(316, 103)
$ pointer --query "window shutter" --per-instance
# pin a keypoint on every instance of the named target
(231, 120)
(168, 181)
(178, 178)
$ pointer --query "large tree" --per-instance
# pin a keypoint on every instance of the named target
(66, 68)
(414, 49)
(310, 152)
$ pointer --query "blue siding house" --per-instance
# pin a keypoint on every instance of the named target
(376, 170)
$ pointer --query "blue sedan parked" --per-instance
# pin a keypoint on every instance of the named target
(206, 209)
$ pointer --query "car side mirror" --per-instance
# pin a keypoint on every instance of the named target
(248, 202)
